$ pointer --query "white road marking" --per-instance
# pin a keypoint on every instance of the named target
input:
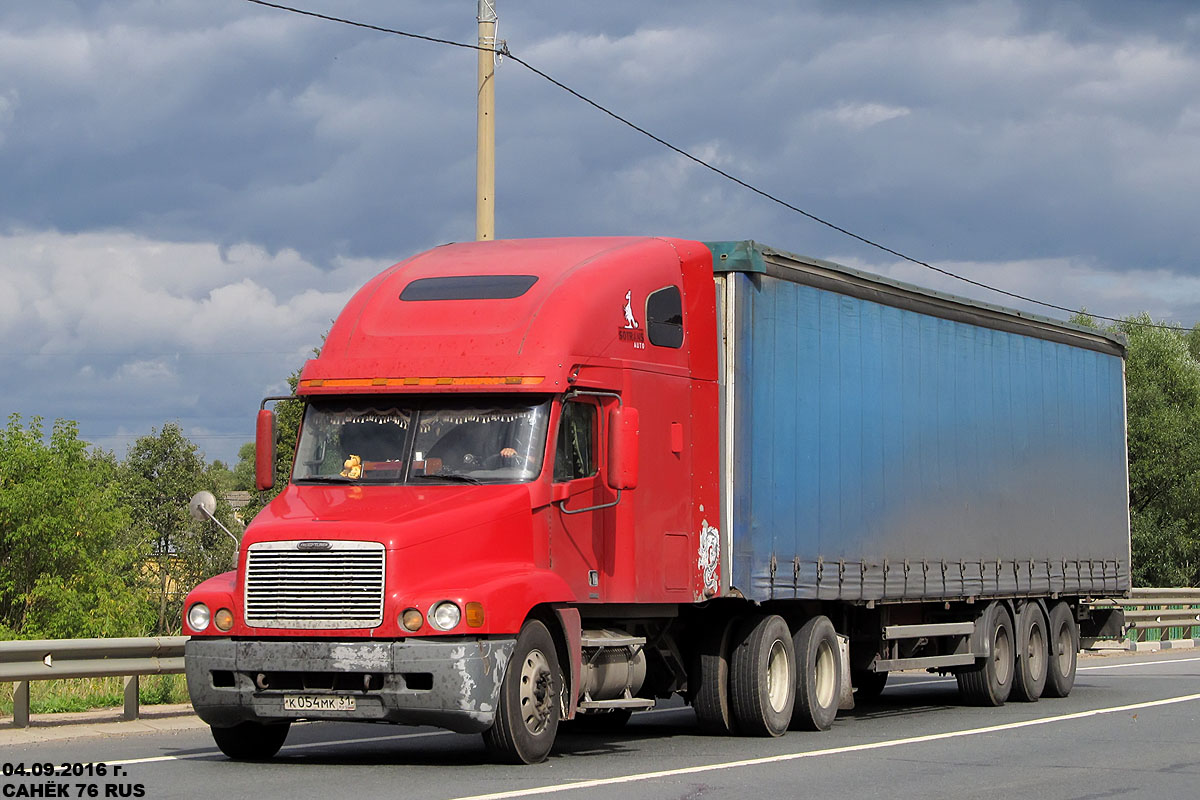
(856, 748)
(311, 745)
(1121, 665)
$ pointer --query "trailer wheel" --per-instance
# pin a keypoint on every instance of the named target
(1033, 653)
(868, 685)
(530, 700)
(762, 677)
(1064, 651)
(990, 681)
(251, 741)
(711, 696)
(818, 676)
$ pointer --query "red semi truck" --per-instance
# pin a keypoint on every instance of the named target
(557, 480)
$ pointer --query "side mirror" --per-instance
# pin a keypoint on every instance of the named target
(623, 448)
(264, 449)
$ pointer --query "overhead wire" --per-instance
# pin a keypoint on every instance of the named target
(504, 51)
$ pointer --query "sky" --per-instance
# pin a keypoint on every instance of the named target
(190, 192)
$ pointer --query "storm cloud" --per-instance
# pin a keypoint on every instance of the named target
(191, 191)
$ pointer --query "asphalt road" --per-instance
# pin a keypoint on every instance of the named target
(1131, 728)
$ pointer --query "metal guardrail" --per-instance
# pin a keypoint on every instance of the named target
(1170, 614)
(28, 660)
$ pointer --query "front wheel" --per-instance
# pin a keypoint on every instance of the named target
(530, 700)
(251, 741)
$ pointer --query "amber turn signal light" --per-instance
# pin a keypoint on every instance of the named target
(474, 615)
(411, 620)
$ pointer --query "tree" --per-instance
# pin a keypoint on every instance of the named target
(67, 563)
(160, 474)
(1163, 411)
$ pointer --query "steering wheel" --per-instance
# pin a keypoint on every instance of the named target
(499, 461)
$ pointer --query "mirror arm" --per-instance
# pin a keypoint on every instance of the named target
(562, 504)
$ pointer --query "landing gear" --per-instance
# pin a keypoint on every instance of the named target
(530, 700)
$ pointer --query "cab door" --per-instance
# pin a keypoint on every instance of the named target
(578, 527)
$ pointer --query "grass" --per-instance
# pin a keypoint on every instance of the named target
(84, 694)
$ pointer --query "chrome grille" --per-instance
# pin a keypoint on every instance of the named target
(288, 587)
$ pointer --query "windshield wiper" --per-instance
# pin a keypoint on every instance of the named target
(326, 479)
(450, 476)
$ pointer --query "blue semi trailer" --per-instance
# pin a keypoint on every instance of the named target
(944, 480)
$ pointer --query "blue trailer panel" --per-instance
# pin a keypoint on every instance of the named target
(887, 443)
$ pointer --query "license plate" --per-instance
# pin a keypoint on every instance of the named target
(307, 702)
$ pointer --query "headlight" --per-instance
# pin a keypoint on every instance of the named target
(223, 619)
(198, 617)
(445, 616)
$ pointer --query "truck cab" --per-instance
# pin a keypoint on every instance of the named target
(482, 428)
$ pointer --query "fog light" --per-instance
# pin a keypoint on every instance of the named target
(198, 617)
(475, 615)
(223, 619)
(411, 620)
(445, 616)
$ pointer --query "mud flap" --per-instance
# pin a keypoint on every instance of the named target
(846, 701)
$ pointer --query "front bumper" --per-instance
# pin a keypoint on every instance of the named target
(450, 683)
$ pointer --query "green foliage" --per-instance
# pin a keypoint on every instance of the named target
(66, 564)
(1162, 376)
(160, 474)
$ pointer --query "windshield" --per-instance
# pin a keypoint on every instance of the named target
(432, 440)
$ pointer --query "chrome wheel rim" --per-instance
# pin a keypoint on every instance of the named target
(536, 695)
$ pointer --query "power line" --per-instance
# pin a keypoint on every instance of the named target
(504, 51)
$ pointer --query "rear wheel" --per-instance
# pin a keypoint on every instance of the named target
(530, 700)
(762, 677)
(1064, 651)
(711, 697)
(1033, 653)
(990, 681)
(251, 741)
(818, 676)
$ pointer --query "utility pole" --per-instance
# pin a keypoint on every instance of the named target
(485, 146)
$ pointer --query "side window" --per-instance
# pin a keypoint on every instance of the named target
(664, 317)
(575, 451)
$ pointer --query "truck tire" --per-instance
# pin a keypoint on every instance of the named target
(251, 741)
(868, 685)
(1033, 653)
(990, 681)
(530, 700)
(711, 673)
(818, 676)
(1064, 651)
(762, 676)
